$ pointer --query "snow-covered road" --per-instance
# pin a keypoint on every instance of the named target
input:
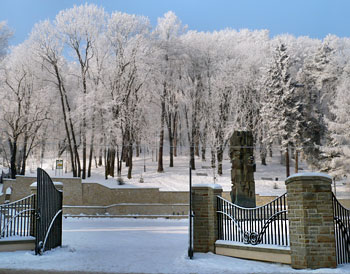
(134, 246)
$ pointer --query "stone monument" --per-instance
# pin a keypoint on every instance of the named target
(243, 168)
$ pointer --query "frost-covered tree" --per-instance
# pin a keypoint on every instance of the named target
(281, 107)
(48, 51)
(5, 34)
(80, 28)
(23, 110)
(167, 71)
(119, 85)
(319, 77)
(336, 153)
(124, 76)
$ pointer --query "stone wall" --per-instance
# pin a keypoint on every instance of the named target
(21, 188)
(77, 192)
(96, 194)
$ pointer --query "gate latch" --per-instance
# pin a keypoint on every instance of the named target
(38, 215)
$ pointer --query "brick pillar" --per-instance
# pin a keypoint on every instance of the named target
(205, 224)
(311, 224)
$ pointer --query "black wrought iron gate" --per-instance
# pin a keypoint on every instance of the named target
(49, 214)
(342, 231)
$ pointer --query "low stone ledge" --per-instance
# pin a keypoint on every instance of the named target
(8, 244)
(266, 253)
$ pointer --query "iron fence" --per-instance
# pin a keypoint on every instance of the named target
(266, 224)
(18, 218)
(342, 231)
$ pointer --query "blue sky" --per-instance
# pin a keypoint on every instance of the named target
(314, 18)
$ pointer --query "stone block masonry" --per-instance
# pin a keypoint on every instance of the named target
(311, 225)
(205, 216)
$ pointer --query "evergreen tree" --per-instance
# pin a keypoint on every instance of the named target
(281, 107)
(336, 155)
(318, 76)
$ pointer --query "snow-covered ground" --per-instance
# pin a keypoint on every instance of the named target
(156, 245)
(136, 246)
(269, 179)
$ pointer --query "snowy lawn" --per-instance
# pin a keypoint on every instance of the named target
(135, 246)
(177, 177)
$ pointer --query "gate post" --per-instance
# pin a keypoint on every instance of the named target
(205, 225)
(33, 190)
(311, 224)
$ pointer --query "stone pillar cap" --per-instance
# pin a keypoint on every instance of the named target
(35, 184)
(309, 176)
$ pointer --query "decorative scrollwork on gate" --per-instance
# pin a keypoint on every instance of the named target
(255, 238)
(251, 238)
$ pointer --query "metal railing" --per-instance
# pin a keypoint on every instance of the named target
(18, 218)
(341, 231)
(266, 224)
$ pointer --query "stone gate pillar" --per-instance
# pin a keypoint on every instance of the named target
(205, 225)
(243, 168)
(311, 223)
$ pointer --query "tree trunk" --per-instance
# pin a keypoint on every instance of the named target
(263, 154)
(296, 167)
(171, 152)
(203, 153)
(287, 163)
(69, 130)
(220, 155)
(137, 149)
(96, 164)
(24, 158)
(100, 156)
(111, 162)
(169, 122)
(13, 149)
(130, 161)
(204, 142)
(175, 136)
(24, 154)
(90, 157)
(196, 151)
(161, 140)
(213, 158)
(84, 156)
(119, 163)
(91, 145)
(106, 156)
